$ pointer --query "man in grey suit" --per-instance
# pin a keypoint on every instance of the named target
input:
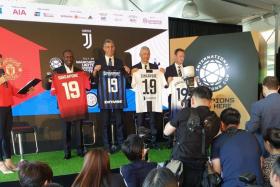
(265, 113)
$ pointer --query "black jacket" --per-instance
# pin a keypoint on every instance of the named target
(171, 71)
(139, 66)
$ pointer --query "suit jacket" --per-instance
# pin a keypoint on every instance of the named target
(171, 71)
(265, 114)
(139, 66)
(59, 70)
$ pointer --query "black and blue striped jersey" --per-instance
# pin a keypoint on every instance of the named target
(111, 89)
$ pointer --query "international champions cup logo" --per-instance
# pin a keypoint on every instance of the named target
(55, 62)
(13, 68)
(213, 72)
(88, 38)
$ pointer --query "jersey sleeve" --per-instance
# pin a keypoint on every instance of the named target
(134, 81)
(163, 80)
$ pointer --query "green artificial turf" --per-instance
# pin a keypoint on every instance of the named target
(74, 165)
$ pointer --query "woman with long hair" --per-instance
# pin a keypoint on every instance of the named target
(96, 171)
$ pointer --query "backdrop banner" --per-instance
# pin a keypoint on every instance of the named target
(228, 64)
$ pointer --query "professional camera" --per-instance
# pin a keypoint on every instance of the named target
(249, 179)
(146, 135)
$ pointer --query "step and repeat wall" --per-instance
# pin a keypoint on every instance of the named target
(33, 37)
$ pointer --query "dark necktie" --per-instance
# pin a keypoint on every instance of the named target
(146, 67)
(179, 71)
(110, 62)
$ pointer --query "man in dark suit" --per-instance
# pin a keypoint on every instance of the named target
(265, 113)
(145, 64)
(176, 69)
(68, 67)
(109, 61)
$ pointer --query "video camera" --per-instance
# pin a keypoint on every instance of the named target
(249, 179)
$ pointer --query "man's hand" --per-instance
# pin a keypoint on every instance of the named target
(31, 90)
(145, 152)
(162, 70)
(169, 79)
(4, 79)
(134, 70)
(126, 69)
(96, 69)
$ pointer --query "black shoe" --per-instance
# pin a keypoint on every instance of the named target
(113, 149)
(67, 156)
(80, 152)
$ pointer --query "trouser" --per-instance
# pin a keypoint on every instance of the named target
(67, 138)
(107, 115)
(6, 122)
(152, 122)
(193, 173)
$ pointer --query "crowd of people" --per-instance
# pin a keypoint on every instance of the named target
(204, 141)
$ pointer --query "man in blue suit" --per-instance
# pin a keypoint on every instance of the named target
(265, 113)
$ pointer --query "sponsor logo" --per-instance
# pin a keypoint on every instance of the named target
(212, 71)
(91, 99)
(37, 13)
(153, 21)
(1, 12)
(19, 12)
(13, 68)
(88, 38)
(55, 62)
(66, 16)
(103, 16)
(87, 64)
(48, 15)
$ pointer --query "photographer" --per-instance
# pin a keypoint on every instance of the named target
(191, 128)
(235, 151)
(135, 173)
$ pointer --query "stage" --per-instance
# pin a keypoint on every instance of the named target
(63, 167)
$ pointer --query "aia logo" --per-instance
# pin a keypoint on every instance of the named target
(19, 12)
(88, 38)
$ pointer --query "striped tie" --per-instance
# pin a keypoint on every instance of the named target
(179, 71)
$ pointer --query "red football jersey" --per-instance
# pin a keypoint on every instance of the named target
(70, 89)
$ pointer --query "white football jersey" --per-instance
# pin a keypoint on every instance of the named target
(148, 86)
(179, 94)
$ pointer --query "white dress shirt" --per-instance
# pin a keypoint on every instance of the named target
(107, 60)
(143, 65)
(69, 70)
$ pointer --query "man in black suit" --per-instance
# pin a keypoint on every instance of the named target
(176, 69)
(109, 61)
(145, 64)
(68, 67)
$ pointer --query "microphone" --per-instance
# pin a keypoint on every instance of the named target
(189, 75)
(49, 75)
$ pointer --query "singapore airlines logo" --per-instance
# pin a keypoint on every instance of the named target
(88, 38)
(213, 72)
